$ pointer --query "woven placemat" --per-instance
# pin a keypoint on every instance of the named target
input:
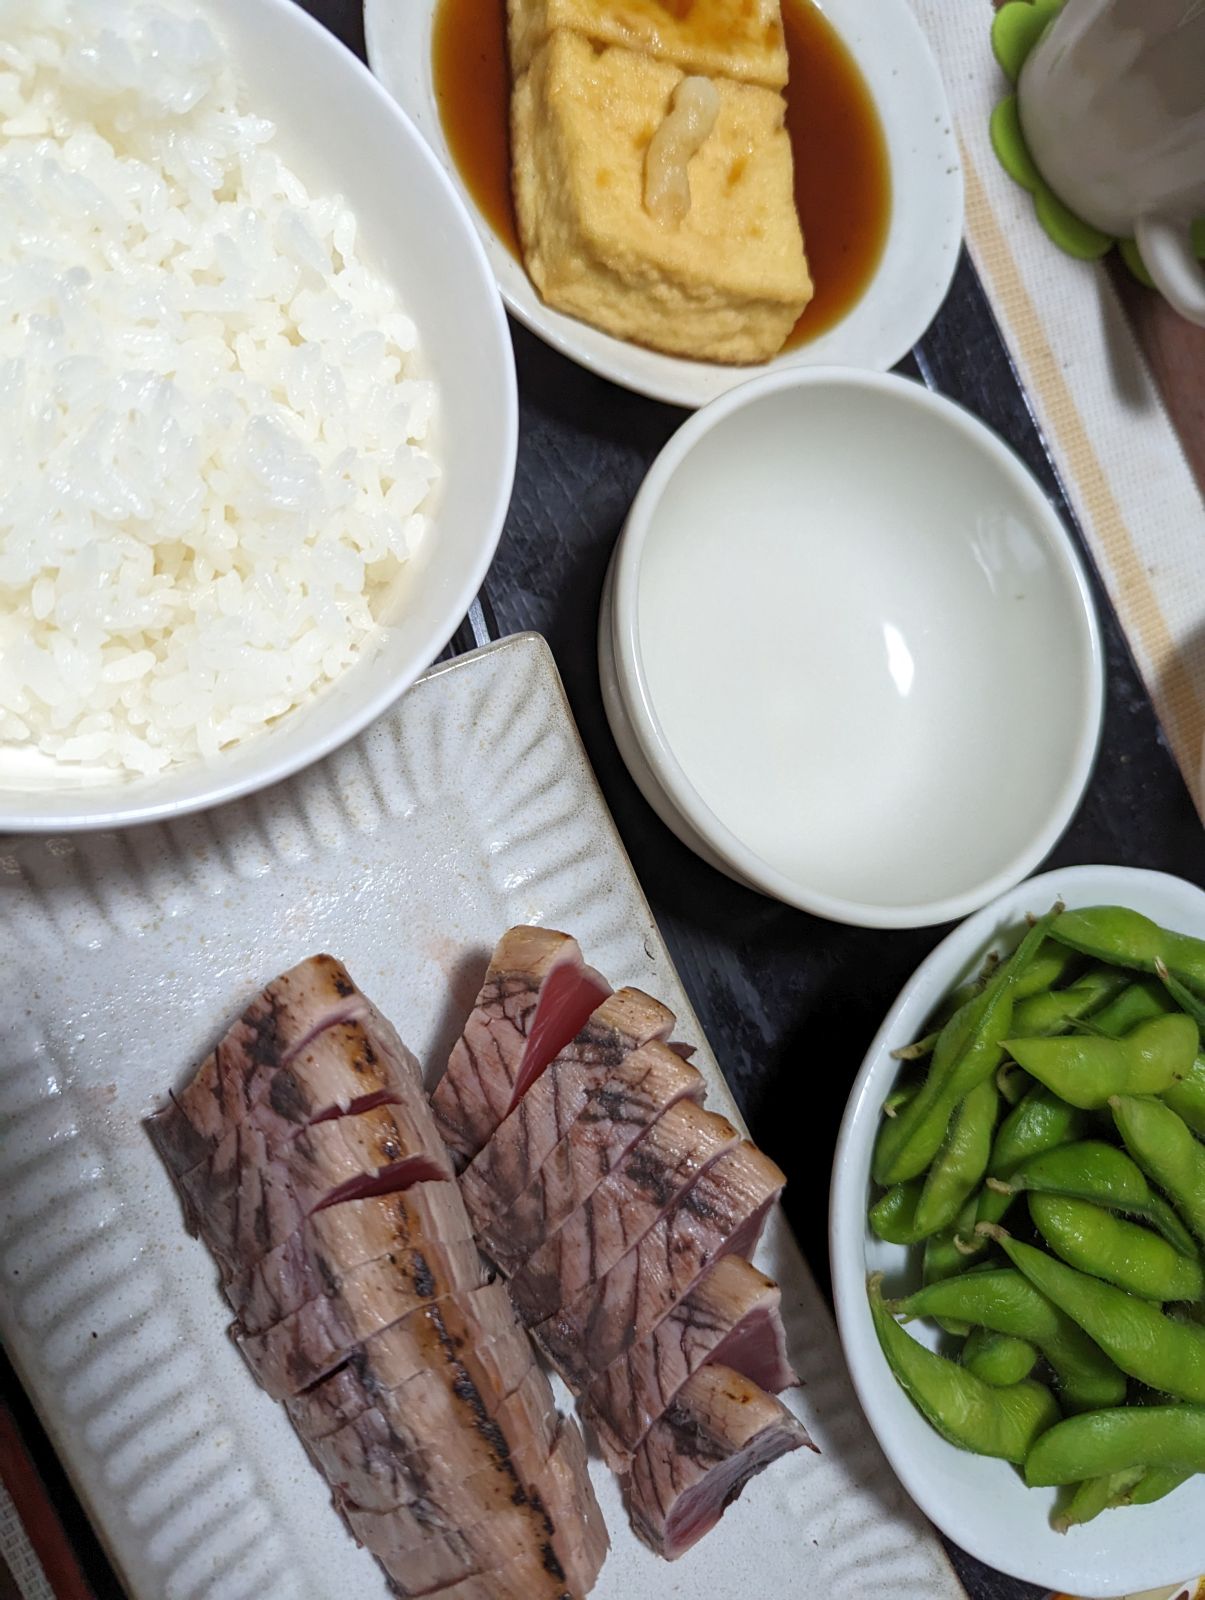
(1117, 384)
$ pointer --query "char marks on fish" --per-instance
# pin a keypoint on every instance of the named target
(309, 1160)
(616, 1113)
(720, 1431)
(620, 1210)
(730, 1317)
(721, 1212)
(505, 1166)
(537, 995)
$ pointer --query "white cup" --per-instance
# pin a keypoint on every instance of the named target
(1112, 103)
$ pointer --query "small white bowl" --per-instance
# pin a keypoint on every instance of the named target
(983, 1505)
(919, 256)
(848, 650)
(332, 114)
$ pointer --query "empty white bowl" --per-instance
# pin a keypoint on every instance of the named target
(983, 1505)
(343, 133)
(848, 651)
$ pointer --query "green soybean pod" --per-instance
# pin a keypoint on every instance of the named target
(998, 1358)
(1187, 1098)
(1093, 1240)
(1138, 1002)
(954, 1001)
(1126, 938)
(1093, 1496)
(1002, 1300)
(1164, 1147)
(1051, 1011)
(1117, 1440)
(946, 1254)
(1156, 1349)
(1091, 1170)
(1050, 965)
(960, 1164)
(1155, 1483)
(967, 1051)
(1087, 1071)
(898, 1099)
(1193, 1005)
(1040, 1122)
(968, 1412)
(893, 1215)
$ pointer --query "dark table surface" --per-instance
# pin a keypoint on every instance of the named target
(789, 1002)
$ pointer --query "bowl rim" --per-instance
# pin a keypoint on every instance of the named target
(19, 815)
(646, 725)
(847, 1226)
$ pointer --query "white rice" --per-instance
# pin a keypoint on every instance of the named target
(210, 447)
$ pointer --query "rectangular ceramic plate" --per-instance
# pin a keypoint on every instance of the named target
(470, 807)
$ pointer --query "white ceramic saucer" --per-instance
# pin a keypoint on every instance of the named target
(922, 244)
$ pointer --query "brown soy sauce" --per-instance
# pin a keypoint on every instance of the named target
(472, 89)
(842, 172)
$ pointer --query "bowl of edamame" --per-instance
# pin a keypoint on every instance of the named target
(1017, 1231)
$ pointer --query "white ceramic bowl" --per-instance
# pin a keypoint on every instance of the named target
(918, 259)
(983, 1505)
(342, 132)
(848, 651)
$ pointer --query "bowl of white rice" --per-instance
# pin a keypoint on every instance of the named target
(258, 416)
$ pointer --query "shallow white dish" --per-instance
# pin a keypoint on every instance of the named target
(469, 807)
(331, 111)
(983, 1505)
(848, 650)
(918, 260)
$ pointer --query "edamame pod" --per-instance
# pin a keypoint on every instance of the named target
(967, 1051)
(1093, 1240)
(1040, 1122)
(1164, 1147)
(1126, 938)
(960, 1164)
(1157, 1350)
(1049, 966)
(1002, 1300)
(1156, 1482)
(1104, 1442)
(1193, 1005)
(1091, 1170)
(946, 1255)
(898, 1099)
(1035, 984)
(1139, 1002)
(963, 1409)
(1187, 1098)
(1093, 1496)
(1136, 1486)
(1051, 1011)
(1087, 1071)
(943, 1256)
(998, 1358)
(893, 1215)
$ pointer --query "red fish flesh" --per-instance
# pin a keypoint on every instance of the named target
(718, 1433)
(537, 995)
